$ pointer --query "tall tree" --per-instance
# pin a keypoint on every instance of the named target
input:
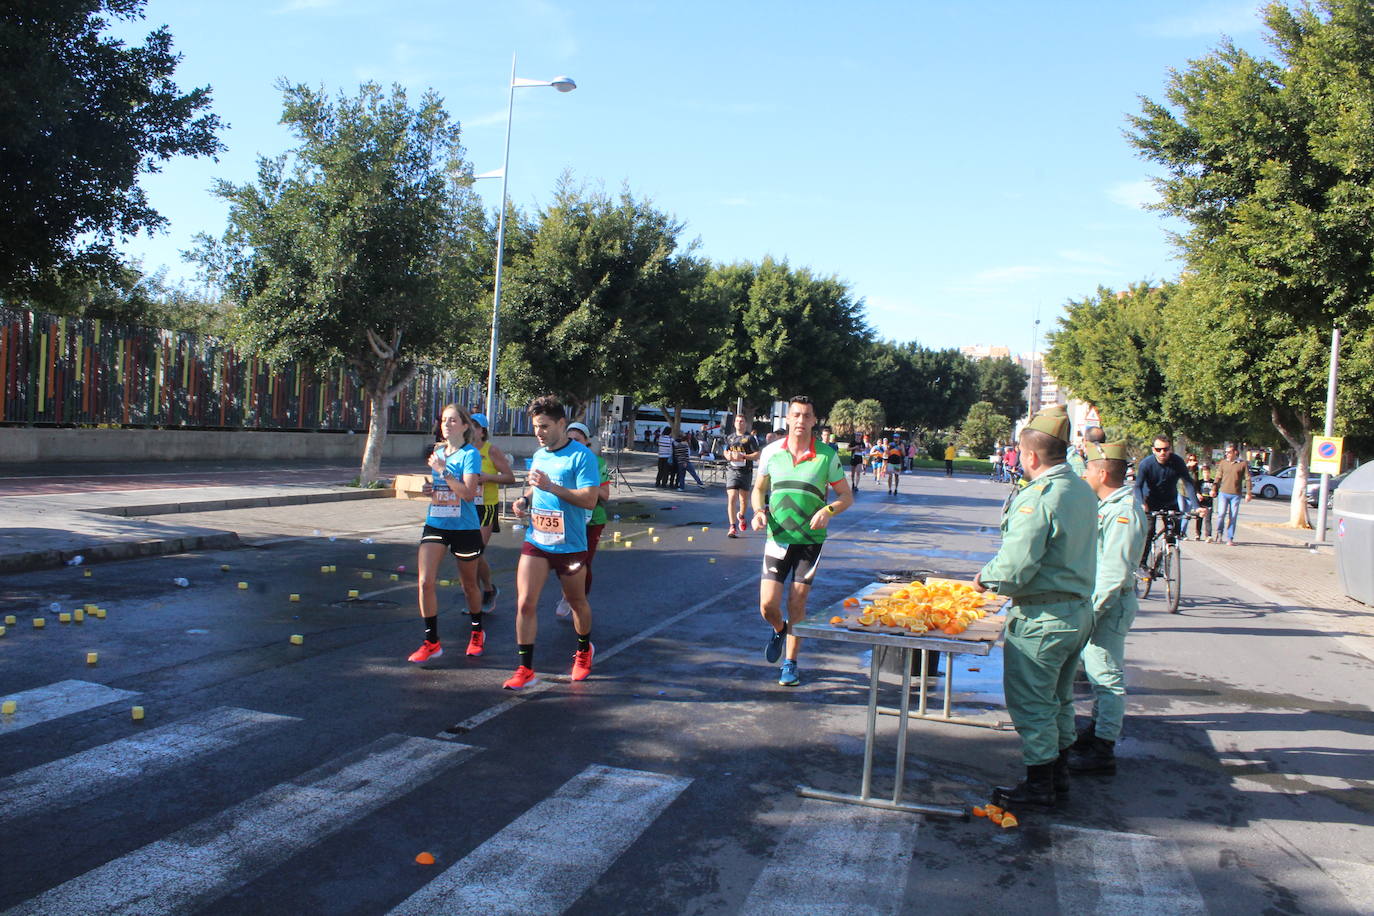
(362, 245)
(983, 428)
(1002, 383)
(1270, 163)
(869, 417)
(791, 332)
(602, 299)
(82, 116)
(919, 388)
(843, 418)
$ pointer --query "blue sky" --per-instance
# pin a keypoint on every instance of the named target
(960, 165)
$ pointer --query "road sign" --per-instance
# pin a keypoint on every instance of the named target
(1091, 418)
(1326, 454)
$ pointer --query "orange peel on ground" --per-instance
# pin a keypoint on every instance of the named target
(425, 858)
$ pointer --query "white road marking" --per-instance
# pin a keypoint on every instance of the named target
(1354, 879)
(197, 865)
(1105, 873)
(547, 858)
(491, 712)
(43, 704)
(837, 859)
(83, 776)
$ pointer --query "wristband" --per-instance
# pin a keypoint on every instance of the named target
(829, 508)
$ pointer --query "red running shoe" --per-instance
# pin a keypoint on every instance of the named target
(582, 662)
(476, 642)
(522, 677)
(427, 651)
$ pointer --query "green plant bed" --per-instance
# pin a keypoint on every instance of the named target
(961, 465)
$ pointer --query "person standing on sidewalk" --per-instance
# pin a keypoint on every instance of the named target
(1232, 479)
(1047, 565)
(451, 524)
(560, 492)
(665, 459)
(579, 433)
(1121, 527)
(789, 500)
(496, 471)
(950, 452)
(741, 450)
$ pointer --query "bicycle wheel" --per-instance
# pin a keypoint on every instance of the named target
(1173, 577)
(1152, 567)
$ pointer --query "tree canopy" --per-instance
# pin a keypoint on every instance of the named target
(363, 245)
(1002, 383)
(84, 116)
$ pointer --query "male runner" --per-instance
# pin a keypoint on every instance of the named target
(894, 466)
(560, 492)
(789, 500)
(741, 450)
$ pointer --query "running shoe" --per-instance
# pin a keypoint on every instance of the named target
(732, 532)
(522, 677)
(477, 642)
(742, 526)
(427, 651)
(564, 608)
(489, 598)
(787, 675)
(582, 662)
(773, 651)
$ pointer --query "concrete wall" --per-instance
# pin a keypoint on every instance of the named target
(28, 445)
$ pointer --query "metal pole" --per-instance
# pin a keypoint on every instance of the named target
(1322, 497)
(500, 256)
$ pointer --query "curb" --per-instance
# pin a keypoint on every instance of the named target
(118, 550)
(246, 502)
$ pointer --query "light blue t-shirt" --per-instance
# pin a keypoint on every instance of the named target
(446, 510)
(556, 526)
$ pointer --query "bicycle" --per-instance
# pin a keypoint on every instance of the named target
(1165, 559)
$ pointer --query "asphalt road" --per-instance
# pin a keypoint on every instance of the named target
(273, 778)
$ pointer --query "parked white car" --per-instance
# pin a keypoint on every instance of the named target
(1272, 486)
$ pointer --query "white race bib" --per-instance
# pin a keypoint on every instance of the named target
(546, 526)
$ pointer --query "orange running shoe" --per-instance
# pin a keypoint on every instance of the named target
(582, 663)
(428, 650)
(522, 677)
(476, 642)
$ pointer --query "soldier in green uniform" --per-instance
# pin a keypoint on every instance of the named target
(1078, 461)
(1046, 565)
(1121, 530)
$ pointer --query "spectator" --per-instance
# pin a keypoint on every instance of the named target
(666, 466)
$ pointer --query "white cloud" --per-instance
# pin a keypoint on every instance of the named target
(1076, 256)
(1211, 20)
(1133, 195)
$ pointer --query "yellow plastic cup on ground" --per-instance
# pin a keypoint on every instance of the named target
(297, 639)
(352, 593)
(137, 713)
(92, 658)
(8, 707)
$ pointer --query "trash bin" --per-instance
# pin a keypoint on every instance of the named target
(1353, 508)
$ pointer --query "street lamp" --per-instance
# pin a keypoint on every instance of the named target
(562, 84)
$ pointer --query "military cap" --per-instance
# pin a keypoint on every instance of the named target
(1107, 451)
(1053, 421)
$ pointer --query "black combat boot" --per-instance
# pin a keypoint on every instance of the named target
(1085, 737)
(1061, 773)
(1097, 757)
(1035, 791)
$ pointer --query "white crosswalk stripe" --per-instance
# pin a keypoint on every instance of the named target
(1103, 873)
(43, 704)
(91, 773)
(201, 863)
(837, 859)
(550, 855)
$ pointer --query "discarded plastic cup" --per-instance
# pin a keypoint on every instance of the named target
(181, 583)
(76, 560)
(54, 607)
(367, 540)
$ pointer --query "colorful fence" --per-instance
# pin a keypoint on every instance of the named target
(87, 372)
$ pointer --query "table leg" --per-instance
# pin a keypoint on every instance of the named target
(902, 725)
(949, 684)
(925, 679)
(869, 736)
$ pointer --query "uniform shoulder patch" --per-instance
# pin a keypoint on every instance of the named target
(1025, 510)
(1039, 486)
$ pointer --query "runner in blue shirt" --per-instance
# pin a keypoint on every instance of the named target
(451, 524)
(560, 493)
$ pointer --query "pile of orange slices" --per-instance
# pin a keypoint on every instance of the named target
(942, 605)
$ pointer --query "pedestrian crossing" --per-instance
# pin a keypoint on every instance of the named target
(820, 857)
(64, 698)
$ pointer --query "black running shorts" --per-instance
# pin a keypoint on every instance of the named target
(463, 543)
(783, 560)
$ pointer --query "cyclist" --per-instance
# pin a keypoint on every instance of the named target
(1157, 478)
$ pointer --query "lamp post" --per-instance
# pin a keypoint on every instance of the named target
(562, 84)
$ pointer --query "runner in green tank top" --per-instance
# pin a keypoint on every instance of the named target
(789, 500)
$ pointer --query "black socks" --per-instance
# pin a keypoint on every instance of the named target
(527, 655)
(431, 628)
(476, 621)
(584, 642)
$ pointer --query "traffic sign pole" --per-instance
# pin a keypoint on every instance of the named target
(1322, 496)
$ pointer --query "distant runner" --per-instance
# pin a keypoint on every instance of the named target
(741, 450)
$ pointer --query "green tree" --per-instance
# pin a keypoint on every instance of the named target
(982, 429)
(84, 115)
(361, 246)
(844, 417)
(601, 300)
(1270, 164)
(919, 388)
(1002, 383)
(869, 418)
(790, 332)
